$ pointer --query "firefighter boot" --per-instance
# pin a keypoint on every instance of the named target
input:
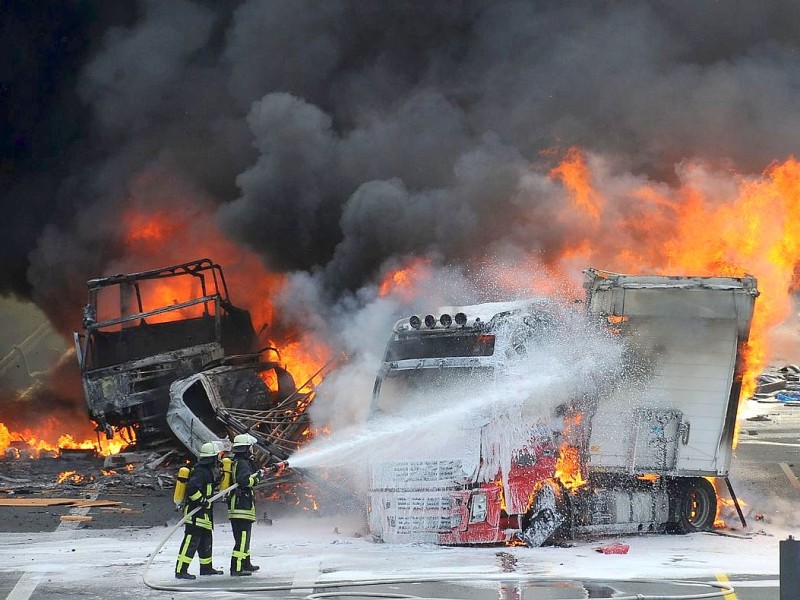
(238, 572)
(182, 571)
(184, 575)
(248, 566)
(209, 570)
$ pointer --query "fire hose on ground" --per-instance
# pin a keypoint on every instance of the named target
(721, 589)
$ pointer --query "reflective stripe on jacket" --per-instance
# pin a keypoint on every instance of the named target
(241, 503)
(198, 490)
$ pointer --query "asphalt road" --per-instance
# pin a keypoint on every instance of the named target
(765, 473)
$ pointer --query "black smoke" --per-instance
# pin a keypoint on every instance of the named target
(333, 135)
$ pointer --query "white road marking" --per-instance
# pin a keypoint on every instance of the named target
(766, 443)
(790, 474)
(756, 583)
(30, 579)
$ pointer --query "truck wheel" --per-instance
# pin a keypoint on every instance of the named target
(544, 517)
(697, 506)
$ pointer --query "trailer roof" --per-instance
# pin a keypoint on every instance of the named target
(598, 279)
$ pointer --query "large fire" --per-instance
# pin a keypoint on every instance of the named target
(47, 440)
(714, 222)
(171, 236)
(186, 232)
(711, 222)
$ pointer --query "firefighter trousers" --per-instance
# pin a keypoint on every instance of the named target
(240, 557)
(195, 539)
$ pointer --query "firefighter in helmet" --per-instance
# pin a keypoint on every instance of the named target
(198, 531)
(241, 503)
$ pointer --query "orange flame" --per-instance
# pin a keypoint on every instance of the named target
(73, 477)
(402, 281)
(46, 439)
(576, 177)
(502, 495)
(294, 493)
(64, 475)
(163, 237)
(714, 222)
(726, 508)
(304, 358)
(568, 468)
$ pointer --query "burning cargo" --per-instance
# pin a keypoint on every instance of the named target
(633, 452)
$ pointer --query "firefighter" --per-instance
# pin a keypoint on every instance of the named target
(241, 504)
(198, 532)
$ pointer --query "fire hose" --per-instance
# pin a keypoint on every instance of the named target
(722, 589)
(175, 527)
(279, 469)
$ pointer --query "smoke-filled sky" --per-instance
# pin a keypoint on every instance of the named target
(331, 136)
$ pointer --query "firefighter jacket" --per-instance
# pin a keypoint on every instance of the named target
(241, 504)
(199, 489)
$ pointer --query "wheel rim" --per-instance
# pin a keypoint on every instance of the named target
(697, 508)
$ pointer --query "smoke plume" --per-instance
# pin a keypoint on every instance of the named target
(333, 138)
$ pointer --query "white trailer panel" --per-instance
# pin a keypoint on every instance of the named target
(682, 393)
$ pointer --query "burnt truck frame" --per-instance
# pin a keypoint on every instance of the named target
(649, 448)
(130, 353)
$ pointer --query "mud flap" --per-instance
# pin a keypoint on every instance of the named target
(545, 519)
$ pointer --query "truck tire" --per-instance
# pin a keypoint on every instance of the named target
(696, 507)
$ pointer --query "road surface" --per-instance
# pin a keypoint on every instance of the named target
(304, 554)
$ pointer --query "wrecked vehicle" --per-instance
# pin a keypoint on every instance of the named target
(638, 454)
(143, 331)
(241, 394)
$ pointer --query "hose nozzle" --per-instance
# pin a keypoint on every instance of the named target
(276, 469)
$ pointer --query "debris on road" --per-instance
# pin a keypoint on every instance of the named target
(73, 502)
(613, 548)
(759, 418)
(60, 477)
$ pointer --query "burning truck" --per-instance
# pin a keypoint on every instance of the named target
(147, 332)
(639, 453)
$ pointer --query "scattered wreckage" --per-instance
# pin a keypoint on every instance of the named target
(82, 469)
(166, 357)
(234, 397)
(637, 454)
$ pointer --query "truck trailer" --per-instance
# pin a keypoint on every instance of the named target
(640, 451)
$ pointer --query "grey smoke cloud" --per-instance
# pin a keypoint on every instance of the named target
(334, 136)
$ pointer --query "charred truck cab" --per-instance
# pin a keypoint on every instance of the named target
(143, 331)
(640, 455)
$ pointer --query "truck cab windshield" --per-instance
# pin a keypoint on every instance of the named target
(418, 392)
